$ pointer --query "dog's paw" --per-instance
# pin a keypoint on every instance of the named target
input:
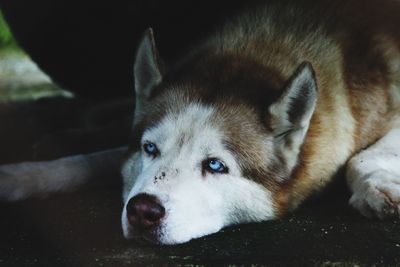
(377, 195)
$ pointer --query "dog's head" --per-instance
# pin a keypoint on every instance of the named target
(207, 154)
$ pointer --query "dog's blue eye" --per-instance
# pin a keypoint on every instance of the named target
(150, 149)
(215, 166)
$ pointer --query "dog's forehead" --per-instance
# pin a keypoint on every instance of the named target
(190, 123)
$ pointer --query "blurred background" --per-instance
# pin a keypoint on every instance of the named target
(20, 77)
(88, 47)
(67, 68)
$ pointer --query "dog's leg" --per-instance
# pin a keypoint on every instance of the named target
(374, 178)
(23, 180)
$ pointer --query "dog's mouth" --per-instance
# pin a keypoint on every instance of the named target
(149, 239)
(144, 236)
(149, 236)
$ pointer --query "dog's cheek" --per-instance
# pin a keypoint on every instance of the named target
(246, 201)
(213, 205)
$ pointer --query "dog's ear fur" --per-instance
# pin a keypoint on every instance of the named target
(147, 68)
(292, 112)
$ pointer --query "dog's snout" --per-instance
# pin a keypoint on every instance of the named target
(144, 211)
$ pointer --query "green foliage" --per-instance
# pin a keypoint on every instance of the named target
(6, 38)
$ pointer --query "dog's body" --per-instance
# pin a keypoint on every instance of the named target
(256, 119)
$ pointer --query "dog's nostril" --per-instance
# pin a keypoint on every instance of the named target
(144, 211)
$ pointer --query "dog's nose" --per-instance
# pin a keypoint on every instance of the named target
(144, 211)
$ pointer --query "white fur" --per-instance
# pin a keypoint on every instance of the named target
(374, 177)
(196, 205)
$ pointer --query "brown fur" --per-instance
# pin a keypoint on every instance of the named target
(242, 70)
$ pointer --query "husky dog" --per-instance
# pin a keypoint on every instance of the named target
(257, 118)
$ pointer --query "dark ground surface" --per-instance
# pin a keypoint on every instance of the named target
(83, 229)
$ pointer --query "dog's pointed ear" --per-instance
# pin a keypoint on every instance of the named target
(291, 113)
(147, 68)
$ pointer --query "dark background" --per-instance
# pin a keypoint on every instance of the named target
(88, 47)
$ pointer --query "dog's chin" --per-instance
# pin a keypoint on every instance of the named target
(164, 235)
(145, 237)
(153, 237)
